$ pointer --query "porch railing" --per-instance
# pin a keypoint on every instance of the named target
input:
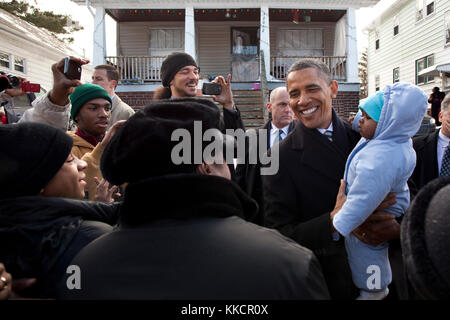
(137, 69)
(279, 65)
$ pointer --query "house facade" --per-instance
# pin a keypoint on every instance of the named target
(410, 41)
(29, 52)
(256, 41)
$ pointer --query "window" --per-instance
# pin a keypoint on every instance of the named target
(4, 60)
(421, 64)
(424, 8)
(377, 40)
(164, 41)
(419, 10)
(447, 27)
(430, 6)
(396, 75)
(396, 27)
(377, 83)
(19, 64)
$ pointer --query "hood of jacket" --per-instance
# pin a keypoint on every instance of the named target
(184, 196)
(404, 107)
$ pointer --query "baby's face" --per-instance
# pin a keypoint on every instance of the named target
(367, 126)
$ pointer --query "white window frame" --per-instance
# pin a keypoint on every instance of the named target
(427, 79)
(165, 49)
(396, 24)
(424, 8)
(9, 60)
(24, 61)
(377, 82)
(447, 28)
(393, 75)
(377, 38)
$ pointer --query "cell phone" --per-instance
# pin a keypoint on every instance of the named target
(212, 88)
(72, 69)
(30, 87)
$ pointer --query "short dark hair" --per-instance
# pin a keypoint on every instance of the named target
(311, 63)
(111, 71)
(445, 103)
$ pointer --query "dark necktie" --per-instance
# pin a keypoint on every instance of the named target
(445, 167)
(280, 132)
(329, 135)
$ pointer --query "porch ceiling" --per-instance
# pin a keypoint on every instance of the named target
(241, 14)
(318, 4)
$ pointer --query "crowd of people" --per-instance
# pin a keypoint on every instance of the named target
(355, 210)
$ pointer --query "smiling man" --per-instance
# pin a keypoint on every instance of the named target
(180, 77)
(301, 198)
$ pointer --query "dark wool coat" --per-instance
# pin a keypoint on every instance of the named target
(300, 197)
(183, 237)
(248, 176)
(426, 164)
(39, 236)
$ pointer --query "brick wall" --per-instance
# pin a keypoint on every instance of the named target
(136, 100)
(345, 102)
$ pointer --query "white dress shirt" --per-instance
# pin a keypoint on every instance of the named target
(274, 134)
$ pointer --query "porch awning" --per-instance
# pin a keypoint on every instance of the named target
(435, 70)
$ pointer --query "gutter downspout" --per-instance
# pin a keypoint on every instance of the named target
(89, 8)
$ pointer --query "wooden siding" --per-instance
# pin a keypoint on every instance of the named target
(39, 60)
(414, 41)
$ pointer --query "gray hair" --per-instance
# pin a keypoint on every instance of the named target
(310, 63)
(445, 103)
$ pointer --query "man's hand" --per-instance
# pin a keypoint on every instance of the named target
(5, 283)
(112, 131)
(380, 226)
(15, 92)
(226, 97)
(340, 200)
(62, 86)
(105, 192)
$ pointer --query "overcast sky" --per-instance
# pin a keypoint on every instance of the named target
(83, 39)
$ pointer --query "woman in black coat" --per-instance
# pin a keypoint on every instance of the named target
(42, 224)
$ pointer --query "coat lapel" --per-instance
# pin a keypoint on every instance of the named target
(318, 153)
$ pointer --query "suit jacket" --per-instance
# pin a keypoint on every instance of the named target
(248, 176)
(119, 111)
(427, 163)
(299, 198)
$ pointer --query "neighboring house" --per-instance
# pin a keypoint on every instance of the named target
(410, 41)
(228, 36)
(29, 52)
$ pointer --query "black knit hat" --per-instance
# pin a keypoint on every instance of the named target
(32, 153)
(425, 239)
(142, 147)
(172, 64)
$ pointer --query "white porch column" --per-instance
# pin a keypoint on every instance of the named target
(351, 47)
(264, 39)
(189, 33)
(99, 37)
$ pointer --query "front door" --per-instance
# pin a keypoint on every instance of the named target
(244, 54)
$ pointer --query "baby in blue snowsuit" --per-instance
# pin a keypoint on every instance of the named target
(380, 163)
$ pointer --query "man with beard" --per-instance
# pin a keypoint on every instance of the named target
(180, 76)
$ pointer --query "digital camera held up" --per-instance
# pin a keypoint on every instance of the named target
(8, 81)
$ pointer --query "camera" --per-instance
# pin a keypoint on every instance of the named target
(8, 81)
(211, 88)
(72, 69)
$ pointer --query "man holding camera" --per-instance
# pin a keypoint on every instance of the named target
(54, 107)
(180, 76)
